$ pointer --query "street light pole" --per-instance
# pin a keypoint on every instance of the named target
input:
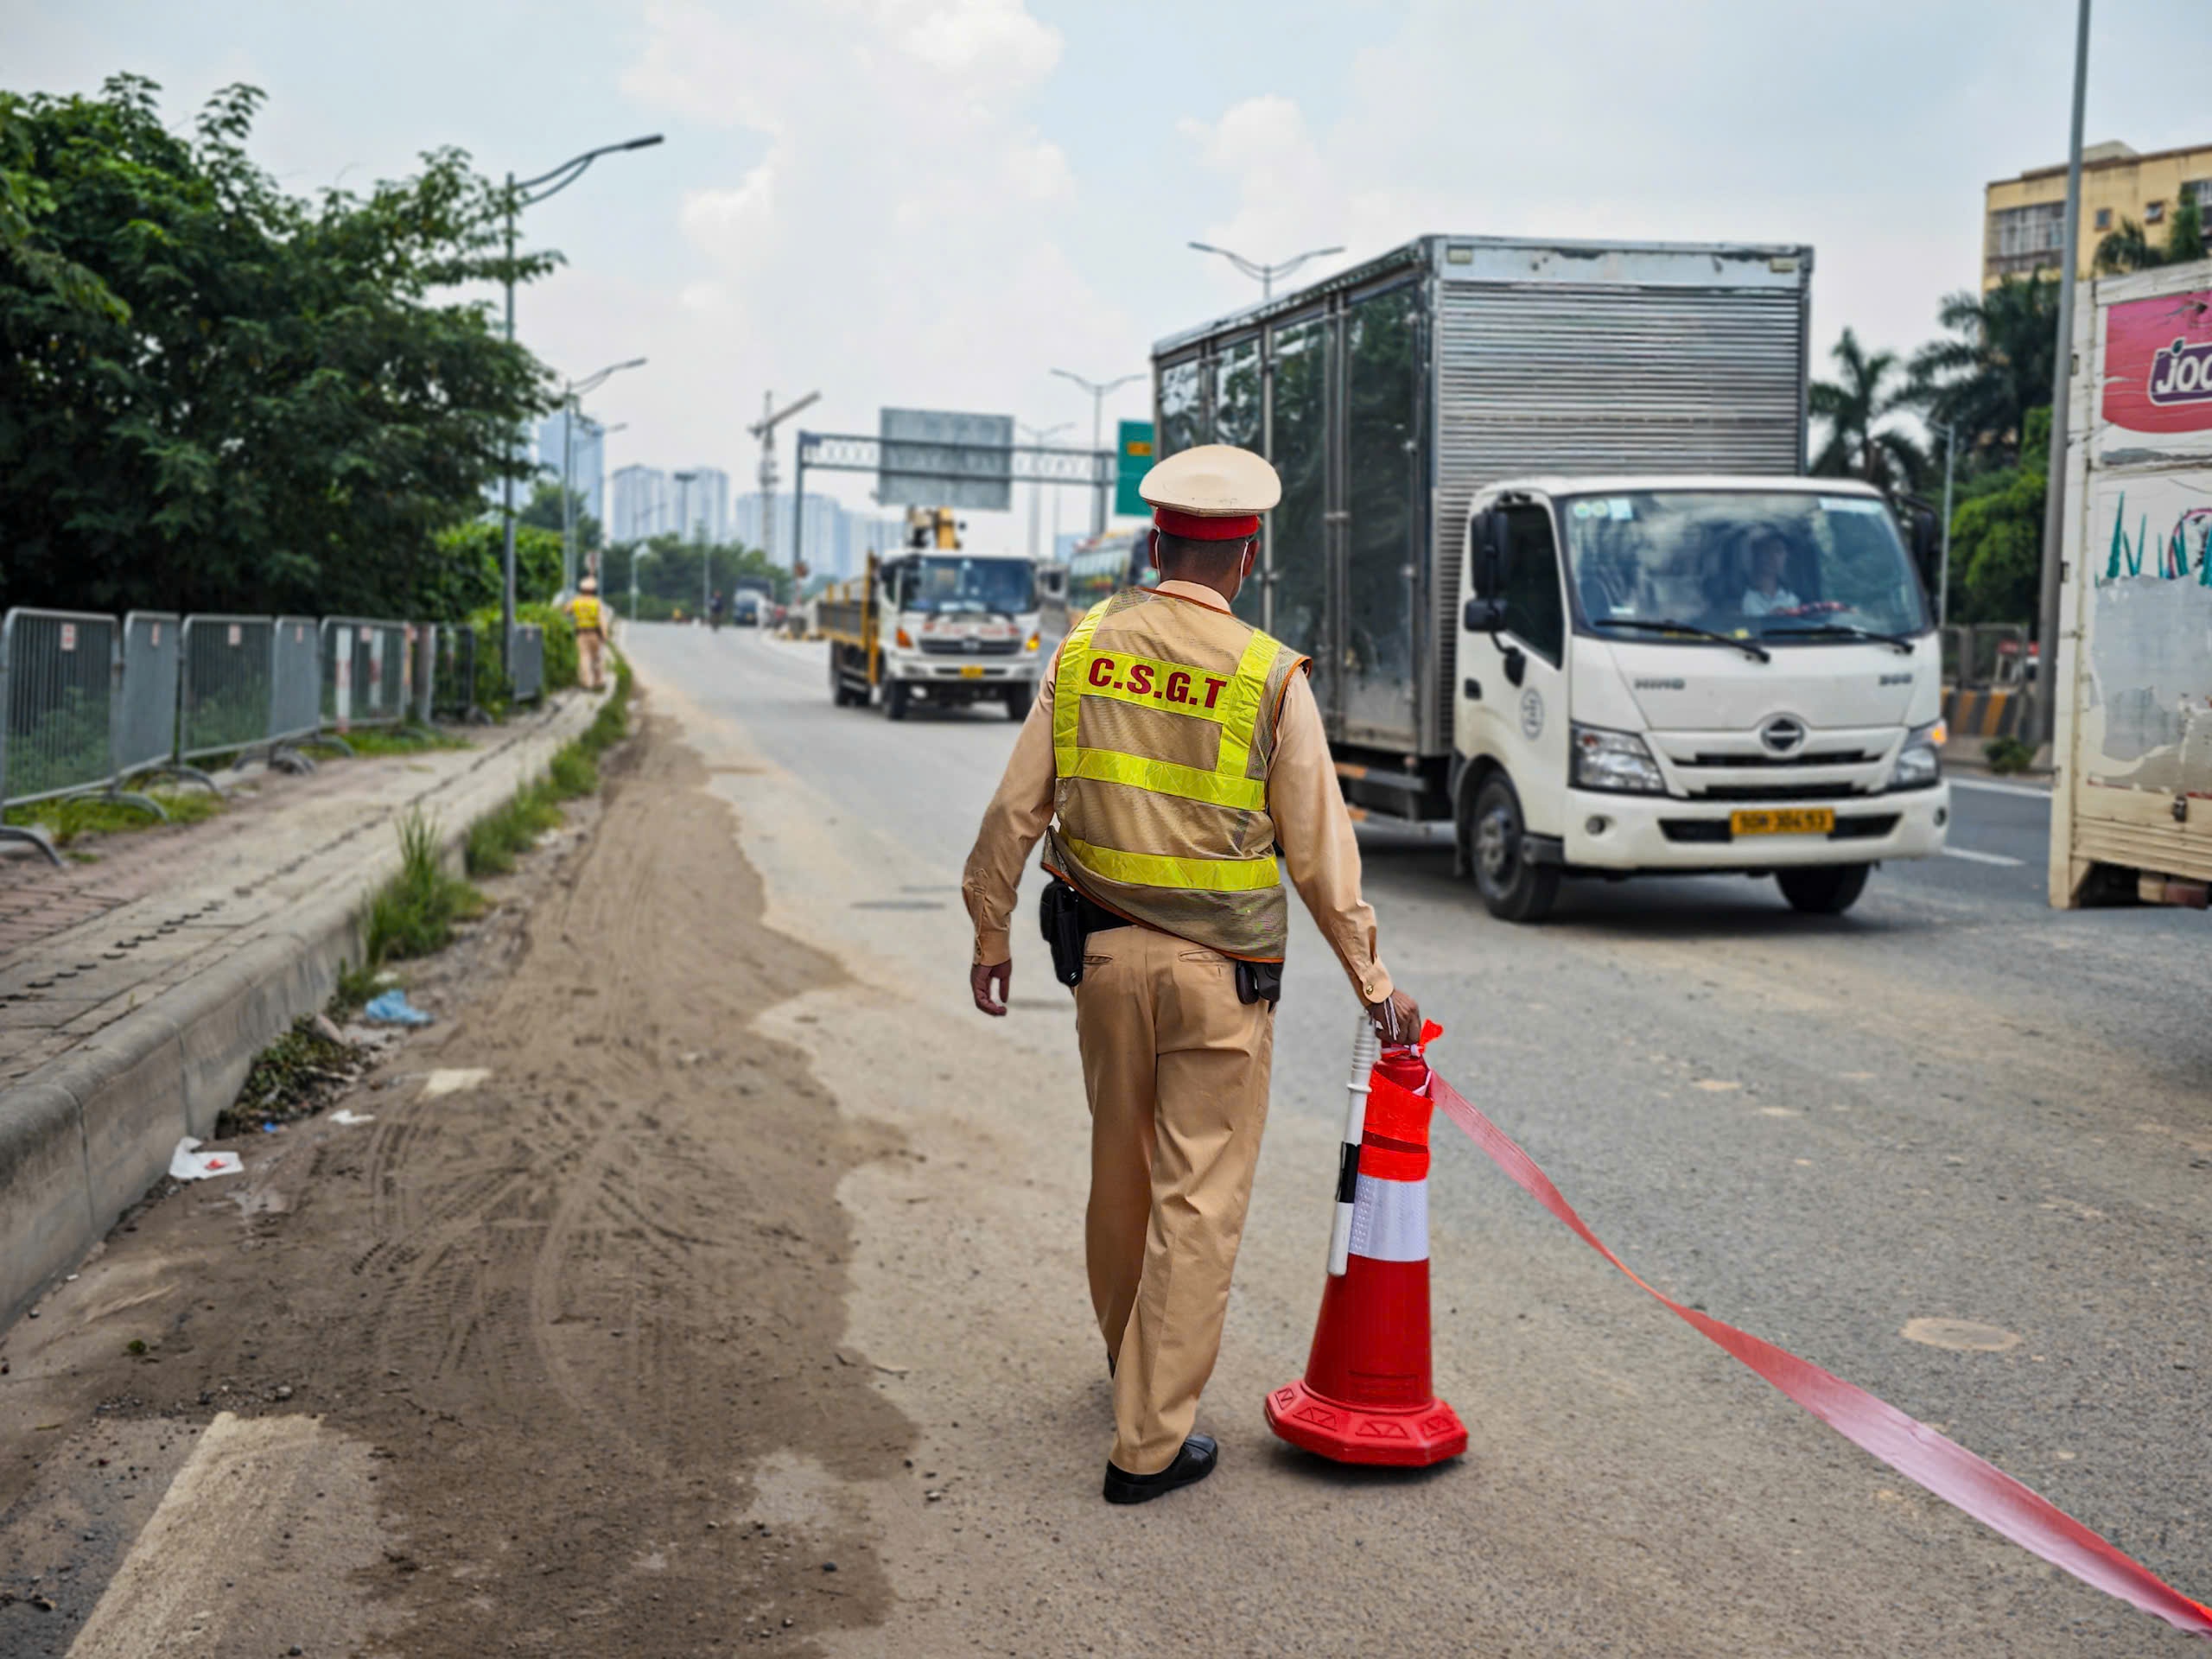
(2062, 376)
(1038, 434)
(518, 196)
(1266, 274)
(1943, 580)
(1099, 389)
(572, 411)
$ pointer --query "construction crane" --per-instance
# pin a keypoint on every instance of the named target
(765, 429)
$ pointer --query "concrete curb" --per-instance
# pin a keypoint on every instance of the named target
(86, 1135)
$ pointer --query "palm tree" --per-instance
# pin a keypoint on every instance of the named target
(1995, 366)
(1854, 407)
(2129, 249)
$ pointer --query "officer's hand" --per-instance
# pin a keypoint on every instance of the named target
(1396, 1018)
(980, 979)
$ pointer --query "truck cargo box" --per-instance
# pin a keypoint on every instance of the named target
(2132, 808)
(1386, 395)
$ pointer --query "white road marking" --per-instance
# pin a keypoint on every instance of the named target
(1988, 788)
(1998, 859)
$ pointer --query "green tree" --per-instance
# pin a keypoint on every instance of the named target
(466, 571)
(1997, 536)
(1855, 406)
(1994, 367)
(2129, 248)
(214, 394)
(544, 512)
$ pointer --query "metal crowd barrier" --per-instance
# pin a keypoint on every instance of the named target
(146, 698)
(59, 672)
(224, 697)
(454, 678)
(295, 686)
(527, 671)
(363, 672)
(423, 669)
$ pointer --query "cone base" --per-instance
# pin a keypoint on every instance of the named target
(1346, 1433)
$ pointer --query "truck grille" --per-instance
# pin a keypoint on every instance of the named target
(969, 647)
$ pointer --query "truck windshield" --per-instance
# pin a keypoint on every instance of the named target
(949, 585)
(1788, 568)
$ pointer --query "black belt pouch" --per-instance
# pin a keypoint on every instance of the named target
(1059, 910)
(1259, 982)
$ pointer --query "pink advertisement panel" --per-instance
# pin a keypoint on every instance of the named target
(2159, 364)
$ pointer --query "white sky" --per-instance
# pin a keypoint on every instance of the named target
(935, 202)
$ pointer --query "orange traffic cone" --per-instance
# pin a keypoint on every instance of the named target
(1367, 1396)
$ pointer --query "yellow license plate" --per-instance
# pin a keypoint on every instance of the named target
(971, 670)
(1782, 821)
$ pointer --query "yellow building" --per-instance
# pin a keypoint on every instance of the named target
(2024, 220)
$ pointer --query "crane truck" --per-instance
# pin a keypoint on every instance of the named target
(936, 623)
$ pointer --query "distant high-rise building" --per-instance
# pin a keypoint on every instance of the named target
(701, 504)
(837, 540)
(642, 505)
(586, 465)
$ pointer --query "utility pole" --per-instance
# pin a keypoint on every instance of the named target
(1098, 391)
(1943, 580)
(1038, 434)
(2062, 377)
(765, 429)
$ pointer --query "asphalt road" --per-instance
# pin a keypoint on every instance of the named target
(1951, 1104)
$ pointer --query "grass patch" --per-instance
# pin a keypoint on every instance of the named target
(414, 913)
(68, 818)
(496, 839)
(573, 774)
(2008, 755)
(402, 739)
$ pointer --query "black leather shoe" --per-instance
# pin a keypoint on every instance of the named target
(1193, 1463)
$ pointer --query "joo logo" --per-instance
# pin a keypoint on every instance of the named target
(1184, 687)
(2182, 373)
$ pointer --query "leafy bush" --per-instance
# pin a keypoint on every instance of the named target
(2008, 755)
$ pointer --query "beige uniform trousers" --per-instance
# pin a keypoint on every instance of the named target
(589, 647)
(1176, 1069)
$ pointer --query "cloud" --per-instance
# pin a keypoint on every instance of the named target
(895, 238)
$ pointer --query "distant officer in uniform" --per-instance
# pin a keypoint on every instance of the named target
(591, 633)
(1171, 754)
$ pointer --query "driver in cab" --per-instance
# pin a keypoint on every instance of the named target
(1768, 595)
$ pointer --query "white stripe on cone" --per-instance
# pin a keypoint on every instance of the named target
(1389, 1220)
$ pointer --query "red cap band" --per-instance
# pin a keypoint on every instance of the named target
(1200, 528)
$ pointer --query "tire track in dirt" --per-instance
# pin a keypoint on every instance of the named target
(588, 1313)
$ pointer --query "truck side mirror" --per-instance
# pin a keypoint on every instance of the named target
(1483, 614)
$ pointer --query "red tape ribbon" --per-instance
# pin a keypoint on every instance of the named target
(1908, 1446)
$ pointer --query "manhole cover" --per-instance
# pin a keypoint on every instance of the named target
(1963, 1335)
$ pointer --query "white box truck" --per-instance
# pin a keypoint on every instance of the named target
(1545, 535)
(2131, 801)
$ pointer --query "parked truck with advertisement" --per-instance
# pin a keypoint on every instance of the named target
(1545, 534)
(936, 624)
(2132, 802)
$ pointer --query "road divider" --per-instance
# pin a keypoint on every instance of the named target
(1918, 1452)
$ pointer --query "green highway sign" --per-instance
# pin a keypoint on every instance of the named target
(1133, 451)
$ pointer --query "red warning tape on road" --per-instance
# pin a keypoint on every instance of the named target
(1908, 1446)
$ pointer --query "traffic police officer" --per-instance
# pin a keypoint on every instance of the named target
(591, 634)
(1171, 754)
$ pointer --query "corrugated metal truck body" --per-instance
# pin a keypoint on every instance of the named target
(1387, 395)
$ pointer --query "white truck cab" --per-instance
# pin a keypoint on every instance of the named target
(1692, 674)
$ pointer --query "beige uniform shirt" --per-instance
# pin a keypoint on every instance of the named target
(1303, 798)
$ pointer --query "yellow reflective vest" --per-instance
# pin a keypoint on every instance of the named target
(1163, 730)
(585, 608)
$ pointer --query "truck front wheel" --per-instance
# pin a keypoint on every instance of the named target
(1018, 696)
(1823, 889)
(1512, 888)
(894, 699)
